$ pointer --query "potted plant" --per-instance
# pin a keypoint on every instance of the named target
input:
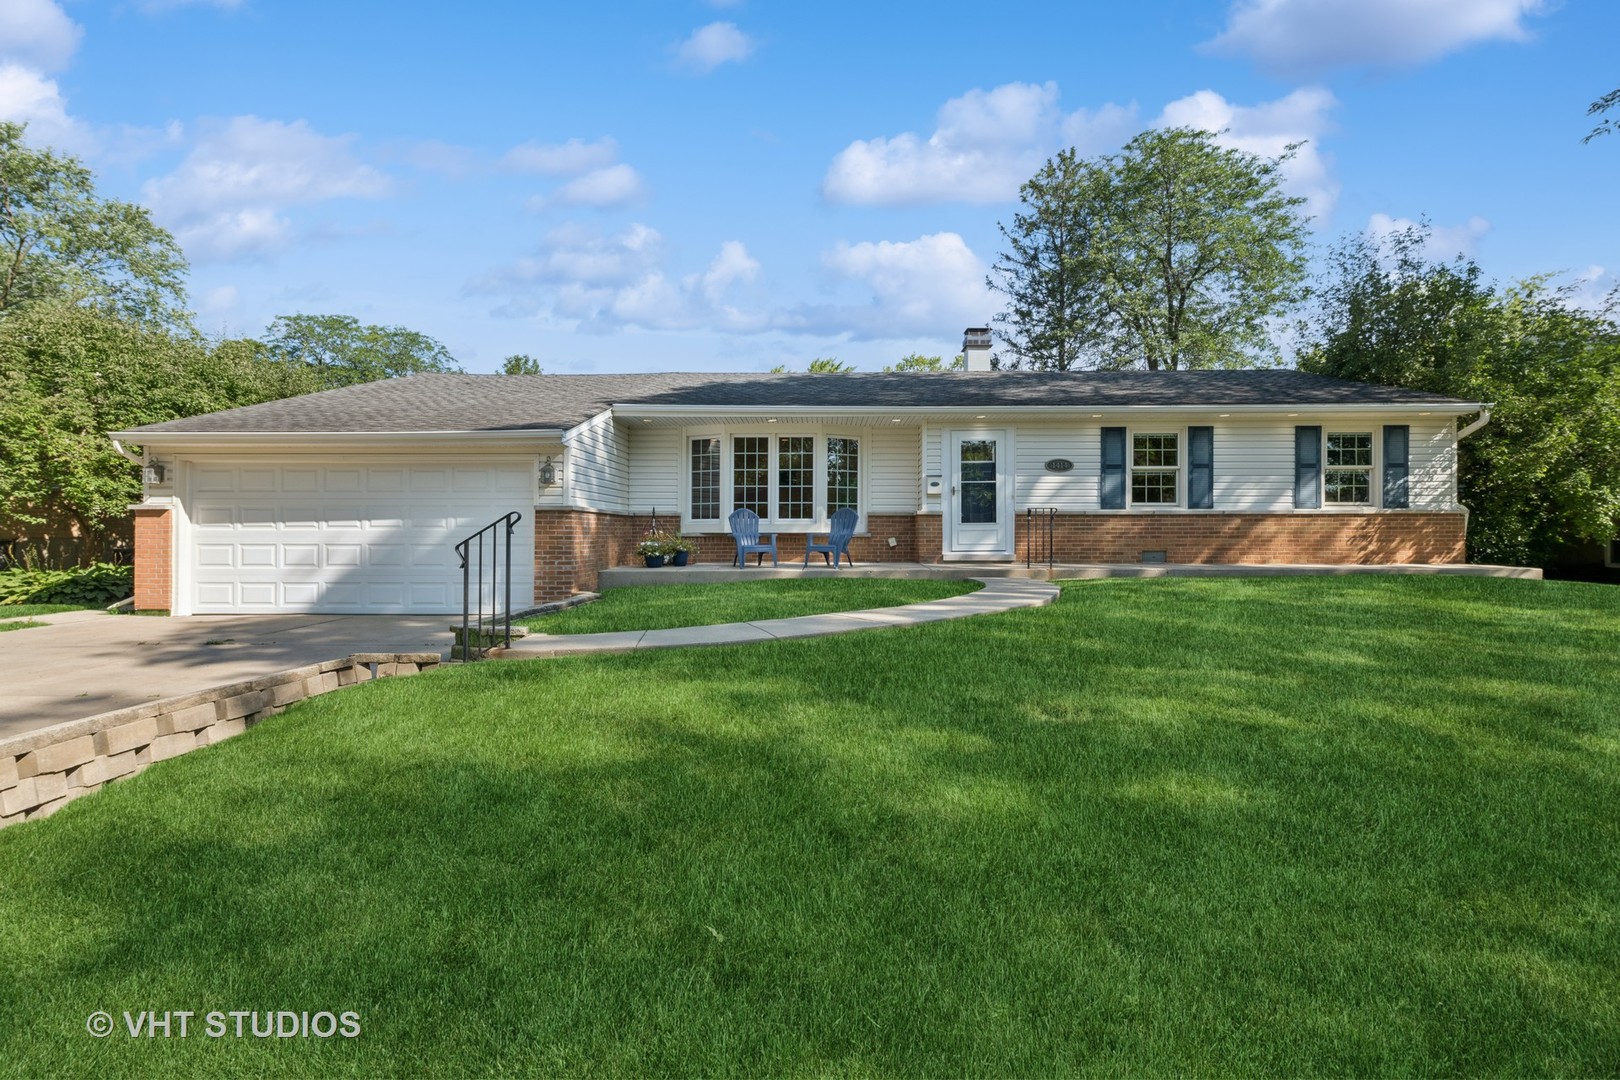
(681, 550)
(652, 550)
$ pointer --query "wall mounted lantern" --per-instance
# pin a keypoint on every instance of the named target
(153, 473)
(548, 474)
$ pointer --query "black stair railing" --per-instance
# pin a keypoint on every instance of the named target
(486, 589)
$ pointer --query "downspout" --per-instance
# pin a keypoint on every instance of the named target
(127, 455)
(1479, 422)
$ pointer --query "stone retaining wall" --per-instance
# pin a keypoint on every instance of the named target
(42, 771)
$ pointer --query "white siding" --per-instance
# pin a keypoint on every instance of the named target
(891, 470)
(1037, 443)
(555, 496)
(1254, 458)
(657, 456)
(596, 466)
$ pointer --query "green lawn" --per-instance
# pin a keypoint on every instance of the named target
(660, 607)
(20, 611)
(1358, 826)
(17, 615)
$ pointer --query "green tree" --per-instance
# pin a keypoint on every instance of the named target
(1544, 474)
(1055, 317)
(821, 365)
(343, 352)
(1609, 124)
(919, 362)
(60, 242)
(521, 364)
(69, 374)
(1174, 253)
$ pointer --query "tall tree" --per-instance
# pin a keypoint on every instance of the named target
(1544, 474)
(521, 364)
(1609, 124)
(919, 362)
(1174, 253)
(343, 352)
(821, 365)
(71, 373)
(60, 242)
(1055, 314)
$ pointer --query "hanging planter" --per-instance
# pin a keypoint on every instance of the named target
(654, 560)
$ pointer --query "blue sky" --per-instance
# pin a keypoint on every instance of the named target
(729, 186)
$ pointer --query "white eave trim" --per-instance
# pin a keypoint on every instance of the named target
(650, 411)
(214, 438)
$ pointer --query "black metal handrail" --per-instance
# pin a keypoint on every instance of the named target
(1032, 516)
(477, 636)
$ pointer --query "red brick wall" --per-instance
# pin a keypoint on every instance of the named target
(154, 562)
(570, 546)
(1218, 537)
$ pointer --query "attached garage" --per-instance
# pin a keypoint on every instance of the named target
(343, 535)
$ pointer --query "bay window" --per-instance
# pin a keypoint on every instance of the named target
(793, 481)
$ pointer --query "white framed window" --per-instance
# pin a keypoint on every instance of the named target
(1347, 468)
(703, 471)
(794, 481)
(1155, 468)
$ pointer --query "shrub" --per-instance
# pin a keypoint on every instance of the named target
(89, 586)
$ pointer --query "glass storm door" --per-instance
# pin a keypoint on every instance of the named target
(980, 523)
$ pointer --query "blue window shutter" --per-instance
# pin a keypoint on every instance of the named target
(1308, 467)
(1113, 468)
(1397, 445)
(1201, 468)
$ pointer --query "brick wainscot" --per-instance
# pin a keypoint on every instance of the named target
(571, 546)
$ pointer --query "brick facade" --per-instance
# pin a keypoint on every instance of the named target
(1221, 537)
(154, 561)
(571, 546)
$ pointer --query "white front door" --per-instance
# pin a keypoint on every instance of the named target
(979, 524)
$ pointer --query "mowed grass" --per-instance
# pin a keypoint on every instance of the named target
(661, 607)
(1290, 827)
(19, 624)
(18, 611)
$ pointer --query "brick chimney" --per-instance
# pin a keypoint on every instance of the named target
(976, 347)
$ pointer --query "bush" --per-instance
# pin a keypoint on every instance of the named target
(88, 586)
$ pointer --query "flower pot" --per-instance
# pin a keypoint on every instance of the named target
(681, 558)
(654, 560)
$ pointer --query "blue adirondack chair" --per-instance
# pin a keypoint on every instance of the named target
(745, 531)
(843, 527)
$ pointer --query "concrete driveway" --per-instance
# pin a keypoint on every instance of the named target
(89, 662)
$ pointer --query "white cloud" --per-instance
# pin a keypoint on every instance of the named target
(605, 282)
(733, 264)
(1302, 37)
(37, 33)
(985, 144)
(919, 287)
(710, 46)
(616, 185)
(562, 159)
(1266, 129)
(225, 200)
(28, 97)
(1445, 242)
(220, 300)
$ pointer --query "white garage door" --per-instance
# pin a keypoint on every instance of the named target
(349, 537)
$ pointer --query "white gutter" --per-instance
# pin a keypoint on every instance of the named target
(1484, 418)
(198, 438)
(623, 411)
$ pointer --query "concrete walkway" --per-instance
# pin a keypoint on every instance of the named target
(998, 595)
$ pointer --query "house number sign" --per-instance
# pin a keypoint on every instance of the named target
(1059, 464)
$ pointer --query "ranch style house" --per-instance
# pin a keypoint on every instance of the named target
(351, 500)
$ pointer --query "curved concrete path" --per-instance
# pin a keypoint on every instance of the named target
(998, 594)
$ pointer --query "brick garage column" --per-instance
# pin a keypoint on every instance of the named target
(154, 559)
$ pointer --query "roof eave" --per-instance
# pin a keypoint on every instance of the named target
(635, 411)
(182, 438)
